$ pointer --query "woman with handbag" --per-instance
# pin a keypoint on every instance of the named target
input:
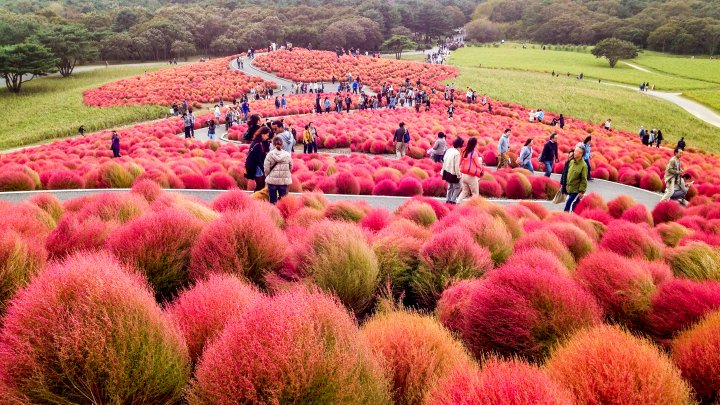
(471, 167)
(256, 158)
(451, 170)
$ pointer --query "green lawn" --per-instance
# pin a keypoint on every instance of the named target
(682, 66)
(52, 107)
(590, 101)
(512, 56)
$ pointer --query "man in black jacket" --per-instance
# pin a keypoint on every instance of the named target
(549, 154)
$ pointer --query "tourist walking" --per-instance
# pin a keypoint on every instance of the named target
(439, 148)
(451, 110)
(658, 138)
(191, 116)
(549, 154)
(607, 125)
(673, 171)
(471, 167)
(503, 147)
(115, 144)
(561, 120)
(187, 125)
(245, 106)
(451, 170)
(525, 158)
(254, 163)
(216, 113)
(575, 178)
(586, 157)
(211, 130)
(401, 138)
(310, 139)
(681, 144)
(278, 169)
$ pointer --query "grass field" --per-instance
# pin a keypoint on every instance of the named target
(590, 101)
(704, 69)
(512, 56)
(52, 107)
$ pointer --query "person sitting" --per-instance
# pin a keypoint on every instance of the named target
(681, 189)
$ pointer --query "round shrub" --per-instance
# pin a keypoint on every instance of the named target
(385, 187)
(90, 320)
(298, 347)
(451, 305)
(418, 212)
(518, 187)
(434, 187)
(637, 214)
(346, 183)
(591, 201)
(194, 181)
(222, 181)
(672, 233)
(376, 219)
(409, 186)
(113, 207)
(16, 181)
(398, 259)
(622, 287)
(511, 382)
(446, 257)
(202, 311)
(338, 260)
(522, 311)
(678, 304)
(617, 206)
(537, 259)
(233, 200)
(65, 180)
(631, 240)
(540, 240)
(696, 261)
(606, 365)
(651, 181)
(74, 235)
(247, 244)
(20, 259)
(667, 211)
(158, 245)
(346, 211)
(148, 189)
(487, 231)
(697, 353)
(416, 352)
(50, 204)
(578, 242)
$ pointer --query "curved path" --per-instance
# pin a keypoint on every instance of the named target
(608, 190)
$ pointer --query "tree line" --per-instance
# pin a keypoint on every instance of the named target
(677, 26)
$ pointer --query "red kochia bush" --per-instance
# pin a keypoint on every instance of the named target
(631, 240)
(524, 311)
(617, 206)
(90, 320)
(511, 382)
(202, 311)
(537, 259)
(159, 245)
(697, 353)
(637, 214)
(415, 350)
(376, 219)
(451, 305)
(346, 183)
(73, 234)
(16, 181)
(679, 303)
(233, 200)
(667, 211)
(622, 287)
(65, 180)
(385, 187)
(409, 186)
(540, 240)
(297, 347)
(518, 187)
(247, 244)
(605, 365)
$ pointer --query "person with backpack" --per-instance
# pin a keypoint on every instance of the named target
(451, 170)
(471, 167)
(503, 147)
(254, 163)
(401, 138)
(549, 154)
(525, 158)
(278, 168)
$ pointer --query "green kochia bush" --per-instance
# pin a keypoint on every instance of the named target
(696, 261)
(89, 331)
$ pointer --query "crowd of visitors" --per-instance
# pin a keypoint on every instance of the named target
(653, 137)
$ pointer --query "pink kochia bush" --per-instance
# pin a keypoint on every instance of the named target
(678, 304)
(632, 240)
(606, 365)
(415, 350)
(522, 311)
(91, 320)
(697, 354)
(298, 347)
(158, 245)
(247, 244)
(511, 382)
(622, 287)
(202, 311)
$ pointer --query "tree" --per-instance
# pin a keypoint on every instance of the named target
(614, 49)
(23, 62)
(182, 49)
(71, 44)
(482, 30)
(398, 43)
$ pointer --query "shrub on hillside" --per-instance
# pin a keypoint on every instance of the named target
(622, 287)
(446, 257)
(696, 261)
(508, 382)
(637, 214)
(522, 311)
(631, 240)
(21, 258)
(697, 353)
(65, 180)
(73, 234)
(376, 219)
(606, 365)
(338, 260)
(419, 212)
(90, 320)
(518, 187)
(416, 352)
(120, 207)
(16, 181)
(537, 259)
(672, 233)
(398, 259)
(50, 204)
(451, 305)
(617, 206)
(158, 245)
(346, 211)
(315, 355)
(591, 201)
(678, 304)
(540, 240)
(247, 244)
(667, 211)
(577, 241)
(486, 230)
(202, 311)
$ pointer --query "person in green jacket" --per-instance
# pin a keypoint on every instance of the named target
(576, 181)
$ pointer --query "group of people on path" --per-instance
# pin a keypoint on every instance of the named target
(651, 137)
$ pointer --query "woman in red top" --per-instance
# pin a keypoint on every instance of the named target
(471, 168)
